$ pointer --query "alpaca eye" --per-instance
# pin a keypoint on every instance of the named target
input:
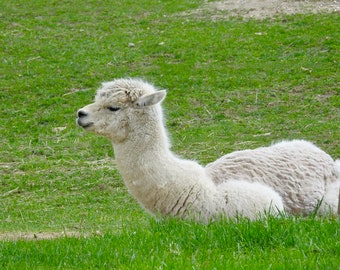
(113, 109)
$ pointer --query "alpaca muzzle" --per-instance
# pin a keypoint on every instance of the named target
(80, 119)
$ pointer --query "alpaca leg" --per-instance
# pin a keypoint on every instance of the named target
(251, 200)
(331, 200)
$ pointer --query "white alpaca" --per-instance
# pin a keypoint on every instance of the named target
(293, 176)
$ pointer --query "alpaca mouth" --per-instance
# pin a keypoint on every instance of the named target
(87, 125)
(84, 125)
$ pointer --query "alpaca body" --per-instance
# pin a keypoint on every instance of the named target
(300, 172)
(248, 183)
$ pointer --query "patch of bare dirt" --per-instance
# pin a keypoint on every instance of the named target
(261, 9)
(13, 236)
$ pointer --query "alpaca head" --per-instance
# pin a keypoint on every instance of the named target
(121, 107)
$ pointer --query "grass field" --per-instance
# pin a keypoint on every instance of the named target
(232, 84)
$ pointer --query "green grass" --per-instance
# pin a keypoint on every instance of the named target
(231, 85)
(169, 244)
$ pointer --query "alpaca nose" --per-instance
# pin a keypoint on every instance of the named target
(81, 113)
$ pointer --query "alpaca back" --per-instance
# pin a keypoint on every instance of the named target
(299, 171)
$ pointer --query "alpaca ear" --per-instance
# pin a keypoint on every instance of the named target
(151, 99)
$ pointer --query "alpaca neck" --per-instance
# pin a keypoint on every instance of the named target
(148, 148)
(159, 180)
(147, 143)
